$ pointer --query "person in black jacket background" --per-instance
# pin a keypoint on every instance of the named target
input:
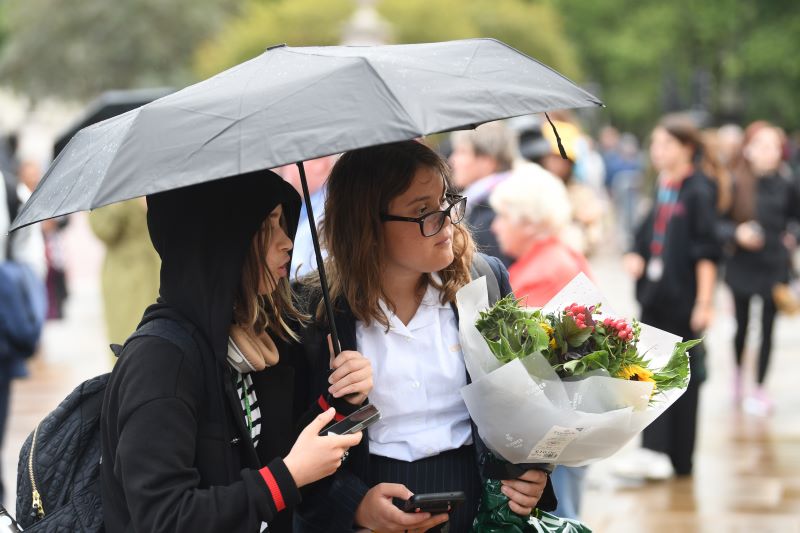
(758, 232)
(397, 256)
(674, 260)
(205, 440)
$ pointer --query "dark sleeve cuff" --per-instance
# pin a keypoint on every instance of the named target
(330, 504)
(548, 501)
(346, 494)
(708, 251)
(280, 486)
(342, 406)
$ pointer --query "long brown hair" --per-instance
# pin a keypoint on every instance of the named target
(269, 311)
(744, 190)
(360, 187)
(686, 132)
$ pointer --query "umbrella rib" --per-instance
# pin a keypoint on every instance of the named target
(236, 121)
(557, 73)
(469, 63)
(390, 91)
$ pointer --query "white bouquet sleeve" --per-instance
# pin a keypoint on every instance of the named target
(526, 413)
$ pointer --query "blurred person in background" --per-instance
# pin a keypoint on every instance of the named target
(533, 208)
(624, 177)
(729, 143)
(8, 161)
(588, 204)
(759, 234)
(317, 170)
(674, 262)
(481, 159)
(21, 318)
(131, 266)
(30, 172)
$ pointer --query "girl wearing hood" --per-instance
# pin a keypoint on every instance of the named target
(204, 439)
(397, 256)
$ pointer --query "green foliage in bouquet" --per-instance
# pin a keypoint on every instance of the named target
(511, 331)
(576, 341)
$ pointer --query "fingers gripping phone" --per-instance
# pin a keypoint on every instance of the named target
(355, 422)
(433, 502)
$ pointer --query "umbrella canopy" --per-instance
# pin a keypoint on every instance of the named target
(292, 104)
(107, 105)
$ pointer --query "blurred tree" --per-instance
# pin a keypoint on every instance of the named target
(3, 28)
(262, 23)
(730, 58)
(78, 49)
(534, 28)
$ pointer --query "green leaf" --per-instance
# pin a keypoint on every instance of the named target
(575, 336)
(539, 337)
(591, 361)
(675, 374)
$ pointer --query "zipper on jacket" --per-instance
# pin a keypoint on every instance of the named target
(37, 509)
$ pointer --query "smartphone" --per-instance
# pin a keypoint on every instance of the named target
(433, 502)
(355, 422)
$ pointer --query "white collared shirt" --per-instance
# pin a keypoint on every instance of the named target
(418, 371)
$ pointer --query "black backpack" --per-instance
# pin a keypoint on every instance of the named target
(58, 476)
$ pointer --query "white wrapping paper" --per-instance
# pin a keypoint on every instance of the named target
(525, 413)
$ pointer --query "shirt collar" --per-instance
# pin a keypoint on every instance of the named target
(431, 298)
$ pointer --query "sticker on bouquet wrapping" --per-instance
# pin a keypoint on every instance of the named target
(549, 448)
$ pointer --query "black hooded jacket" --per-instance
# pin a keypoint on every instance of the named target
(177, 455)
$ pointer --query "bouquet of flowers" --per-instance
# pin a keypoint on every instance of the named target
(568, 384)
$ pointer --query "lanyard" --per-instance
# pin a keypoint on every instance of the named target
(666, 201)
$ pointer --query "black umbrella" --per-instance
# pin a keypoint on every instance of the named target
(108, 105)
(293, 104)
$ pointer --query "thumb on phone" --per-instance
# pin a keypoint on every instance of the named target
(321, 420)
(395, 490)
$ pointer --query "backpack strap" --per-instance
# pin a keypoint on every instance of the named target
(179, 333)
(480, 267)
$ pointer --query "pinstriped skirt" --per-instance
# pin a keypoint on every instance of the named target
(452, 470)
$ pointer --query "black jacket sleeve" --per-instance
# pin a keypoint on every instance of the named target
(643, 235)
(705, 241)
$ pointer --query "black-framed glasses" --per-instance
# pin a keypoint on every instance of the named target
(432, 223)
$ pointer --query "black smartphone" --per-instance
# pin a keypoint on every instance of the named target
(433, 502)
(355, 422)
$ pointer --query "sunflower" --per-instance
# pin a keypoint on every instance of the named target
(635, 373)
(549, 330)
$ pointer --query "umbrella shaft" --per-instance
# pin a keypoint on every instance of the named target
(323, 280)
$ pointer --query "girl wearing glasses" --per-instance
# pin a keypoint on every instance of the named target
(397, 256)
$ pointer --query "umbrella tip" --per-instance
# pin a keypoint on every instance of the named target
(282, 45)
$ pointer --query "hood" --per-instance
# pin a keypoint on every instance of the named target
(203, 233)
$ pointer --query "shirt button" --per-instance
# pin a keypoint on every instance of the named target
(408, 339)
(415, 385)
